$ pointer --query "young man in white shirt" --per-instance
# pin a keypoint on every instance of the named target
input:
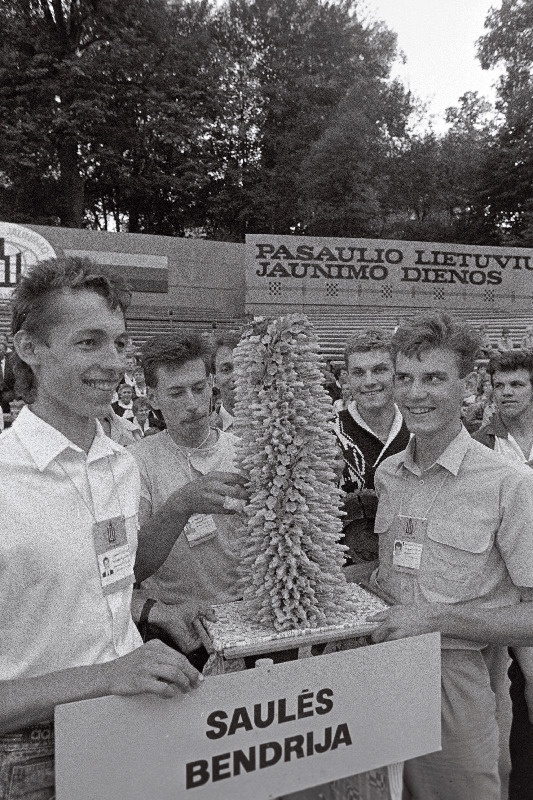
(510, 433)
(465, 520)
(70, 498)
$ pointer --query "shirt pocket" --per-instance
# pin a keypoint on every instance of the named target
(455, 558)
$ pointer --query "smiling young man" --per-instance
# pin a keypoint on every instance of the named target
(510, 433)
(464, 518)
(368, 430)
(202, 565)
(70, 500)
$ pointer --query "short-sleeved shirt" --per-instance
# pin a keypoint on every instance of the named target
(206, 571)
(479, 538)
(53, 611)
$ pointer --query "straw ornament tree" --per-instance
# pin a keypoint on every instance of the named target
(291, 559)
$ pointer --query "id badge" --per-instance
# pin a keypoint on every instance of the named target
(200, 528)
(113, 554)
(409, 534)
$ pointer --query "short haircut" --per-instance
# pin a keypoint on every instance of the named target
(511, 361)
(174, 350)
(439, 330)
(228, 339)
(366, 342)
(33, 308)
(122, 386)
(141, 402)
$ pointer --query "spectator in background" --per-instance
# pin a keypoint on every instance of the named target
(187, 455)
(527, 339)
(129, 372)
(331, 384)
(139, 388)
(505, 342)
(123, 407)
(369, 430)
(485, 342)
(144, 416)
(346, 392)
(224, 379)
(510, 433)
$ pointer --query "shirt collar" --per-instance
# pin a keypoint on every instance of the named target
(496, 426)
(44, 442)
(396, 422)
(451, 459)
(227, 418)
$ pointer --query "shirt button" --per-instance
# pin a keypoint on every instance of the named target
(421, 483)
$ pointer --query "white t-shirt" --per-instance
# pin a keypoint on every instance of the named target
(205, 570)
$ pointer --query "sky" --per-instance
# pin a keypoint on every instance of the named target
(438, 39)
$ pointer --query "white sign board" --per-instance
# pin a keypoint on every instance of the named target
(256, 734)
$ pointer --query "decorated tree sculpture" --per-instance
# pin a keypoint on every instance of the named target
(291, 559)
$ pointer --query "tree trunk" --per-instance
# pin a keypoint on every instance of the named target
(72, 185)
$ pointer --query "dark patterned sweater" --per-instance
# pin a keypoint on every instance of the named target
(363, 452)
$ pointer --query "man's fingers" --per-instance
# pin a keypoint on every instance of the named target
(229, 478)
(207, 612)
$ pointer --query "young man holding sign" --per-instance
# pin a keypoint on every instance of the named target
(70, 549)
(455, 523)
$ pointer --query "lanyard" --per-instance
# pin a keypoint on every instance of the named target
(433, 500)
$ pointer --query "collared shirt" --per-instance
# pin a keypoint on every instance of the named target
(53, 610)
(479, 538)
(206, 570)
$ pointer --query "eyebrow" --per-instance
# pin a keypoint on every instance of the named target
(373, 366)
(175, 386)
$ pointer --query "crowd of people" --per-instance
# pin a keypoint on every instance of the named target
(119, 495)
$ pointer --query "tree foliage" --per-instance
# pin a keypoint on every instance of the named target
(180, 117)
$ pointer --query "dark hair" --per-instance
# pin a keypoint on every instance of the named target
(32, 307)
(174, 350)
(367, 341)
(141, 402)
(511, 361)
(438, 330)
(228, 339)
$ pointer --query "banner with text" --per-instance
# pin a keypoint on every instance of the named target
(296, 271)
(256, 734)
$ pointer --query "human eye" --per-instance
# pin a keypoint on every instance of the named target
(87, 342)
(401, 379)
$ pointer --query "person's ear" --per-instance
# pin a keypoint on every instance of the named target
(28, 347)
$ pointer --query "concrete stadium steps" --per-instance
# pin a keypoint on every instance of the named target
(333, 328)
(147, 321)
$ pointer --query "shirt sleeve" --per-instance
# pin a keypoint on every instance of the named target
(515, 533)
